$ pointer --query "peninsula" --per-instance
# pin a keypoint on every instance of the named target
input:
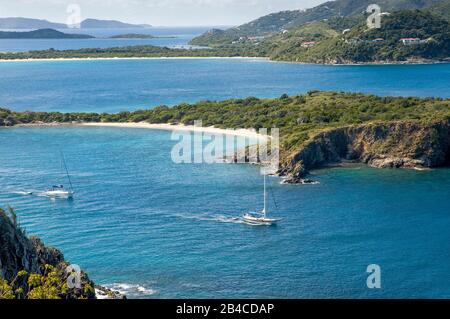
(316, 129)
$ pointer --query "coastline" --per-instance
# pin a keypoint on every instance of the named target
(132, 58)
(247, 133)
(378, 63)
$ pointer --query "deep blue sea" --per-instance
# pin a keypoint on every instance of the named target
(119, 85)
(154, 229)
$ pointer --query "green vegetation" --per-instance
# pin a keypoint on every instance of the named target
(298, 117)
(52, 284)
(441, 9)
(285, 20)
(42, 34)
(29, 270)
(132, 36)
(364, 45)
(330, 41)
(287, 45)
(325, 41)
(141, 51)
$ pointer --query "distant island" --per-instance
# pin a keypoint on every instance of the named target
(140, 36)
(42, 34)
(55, 34)
(132, 36)
(316, 129)
(109, 24)
(26, 23)
(406, 36)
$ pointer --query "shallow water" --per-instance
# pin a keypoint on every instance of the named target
(155, 229)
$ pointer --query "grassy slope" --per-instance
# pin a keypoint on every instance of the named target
(441, 9)
(276, 22)
(399, 25)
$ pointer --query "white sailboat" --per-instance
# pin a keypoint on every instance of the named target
(59, 191)
(260, 219)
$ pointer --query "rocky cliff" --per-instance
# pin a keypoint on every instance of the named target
(386, 145)
(29, 269)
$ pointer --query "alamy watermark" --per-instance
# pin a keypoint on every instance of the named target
(374, 279)
(374, 19)
(209, 146)
(74, 276)
(73, 20)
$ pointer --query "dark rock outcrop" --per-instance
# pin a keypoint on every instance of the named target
(20, 253)
(386, 145)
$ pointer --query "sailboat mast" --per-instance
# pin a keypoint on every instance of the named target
(265, 198)
(67, 171)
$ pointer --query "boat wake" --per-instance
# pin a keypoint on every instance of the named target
(34, 193)
(24, 193)
(212, 217)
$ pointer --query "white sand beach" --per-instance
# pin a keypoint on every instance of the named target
(131, 58)
(168, 127)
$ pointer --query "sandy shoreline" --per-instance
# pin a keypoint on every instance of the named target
(166, 127)
(131, 58)
(423, 62)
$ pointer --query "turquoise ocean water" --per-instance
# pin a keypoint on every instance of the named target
(113, 86)
(155, 229)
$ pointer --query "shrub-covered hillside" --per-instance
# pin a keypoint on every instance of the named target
(297, 116)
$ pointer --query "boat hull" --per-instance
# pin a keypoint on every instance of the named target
(259, 220)
(59, 194)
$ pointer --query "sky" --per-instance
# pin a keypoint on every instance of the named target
(154, 12)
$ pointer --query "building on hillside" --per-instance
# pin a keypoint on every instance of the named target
(410, 41)
(255, 39)
(309, 44)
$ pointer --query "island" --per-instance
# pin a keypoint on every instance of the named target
(27, 23)
(405, 36)
(132, 36)
(42, 34)
(140, 36)
(317, 129)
